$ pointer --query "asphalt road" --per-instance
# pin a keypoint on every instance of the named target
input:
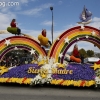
(19, 92)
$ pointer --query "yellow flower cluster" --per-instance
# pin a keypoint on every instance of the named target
(96, 66)
(41, 63)
(72, 82)
(34, 62)
(3, 80)
(61, 65)
(16, 80)
(3, 70)
(56, 82)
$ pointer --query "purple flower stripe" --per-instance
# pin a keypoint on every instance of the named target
(21, 71)
(80, 72)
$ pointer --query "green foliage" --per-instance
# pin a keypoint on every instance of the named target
(83, 53)
(90, 53)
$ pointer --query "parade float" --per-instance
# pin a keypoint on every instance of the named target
(50, 67)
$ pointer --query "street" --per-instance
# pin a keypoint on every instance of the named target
(19, 92)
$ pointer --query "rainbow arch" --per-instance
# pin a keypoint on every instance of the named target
(21, 42)
(75, 34)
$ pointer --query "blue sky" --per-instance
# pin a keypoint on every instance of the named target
(34, 15)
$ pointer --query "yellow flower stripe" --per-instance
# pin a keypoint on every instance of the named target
(56, 82)
(72, 82)
(16, 80)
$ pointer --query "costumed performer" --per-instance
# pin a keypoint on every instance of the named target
(14, 29)
(43, 39)
(75, 56)
(13, 25)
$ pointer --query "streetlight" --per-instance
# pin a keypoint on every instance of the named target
(51, 8)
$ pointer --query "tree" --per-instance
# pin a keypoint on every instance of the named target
(90, 53)
(83, 53)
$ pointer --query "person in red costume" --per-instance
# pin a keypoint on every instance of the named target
(75, 56)
(13, 25)
(44, 34)
(75, 51)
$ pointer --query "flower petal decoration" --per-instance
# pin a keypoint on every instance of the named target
(3, 70)
(96, 66)
(66, 40)
(16, 48)
(61, 65)
(7, 42)
(93, 33)
(32, 51)
(77, 38)
(87, 36)
(60, 55)
(34, 62)
(58, 39)
(41, 63)
(82, 27)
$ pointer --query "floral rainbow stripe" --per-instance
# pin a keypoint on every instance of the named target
(21, 42)
(73, 35)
